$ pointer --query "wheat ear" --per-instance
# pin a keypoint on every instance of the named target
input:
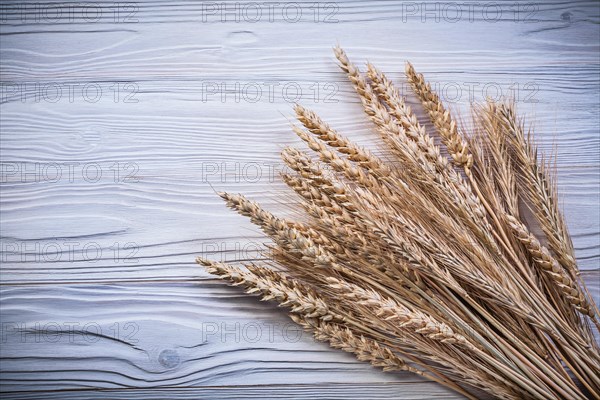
(294, 295)
(441, 118)
(550, 266)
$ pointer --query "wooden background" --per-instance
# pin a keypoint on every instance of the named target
(119, 120)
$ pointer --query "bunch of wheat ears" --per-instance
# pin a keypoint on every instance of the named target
(425, 263)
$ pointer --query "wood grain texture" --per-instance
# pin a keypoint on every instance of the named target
(407, 390)
(118, 126)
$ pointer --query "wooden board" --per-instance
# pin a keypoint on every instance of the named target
(121, 120)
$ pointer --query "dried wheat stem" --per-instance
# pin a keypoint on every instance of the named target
(403, 113)
(412, 266)
(361, 249)
(304, 166)
(541, 192)
(328, 204)
(499, 161)
(299, 298)
(314, 177)
(350, 242)
(441, 118)
(368, 350)
(386, 90)
(364, 349)
(312, 184)
(344, 222)
(390, 131)
(293, 236)
(338, 164)
(389, 309)
(447, 187)
(311, 244)
(306, 304)
(414, 321)
(410, 240)
(322, 149)
(550, 266)
(324, 132)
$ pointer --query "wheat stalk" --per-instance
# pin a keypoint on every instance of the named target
(426, 264)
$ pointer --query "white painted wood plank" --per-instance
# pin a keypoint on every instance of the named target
(399, 391)
(182, 139)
